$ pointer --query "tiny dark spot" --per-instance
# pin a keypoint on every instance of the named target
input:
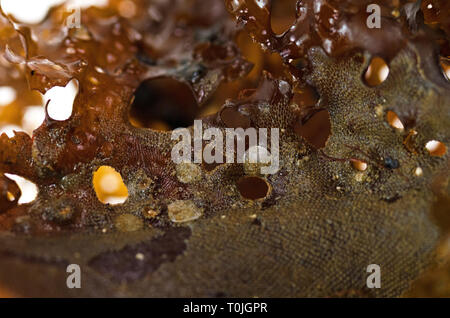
(257, 221)
(392, 199)
(391, 163)
(220, 294)
(75, 140)
(300, 63)
(198, 73)
(271, 201)
(144, 58)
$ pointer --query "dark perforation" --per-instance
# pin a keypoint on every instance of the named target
(253, 188)
(163, 104)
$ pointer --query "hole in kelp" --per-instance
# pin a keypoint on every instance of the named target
(436, 148)
(377, 72)
(61, 100)
(28, 189)
(359, 165)
(163, 104)
(394, 120)
(109, 186)
(253, 188)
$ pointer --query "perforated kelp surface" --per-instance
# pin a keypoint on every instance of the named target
(188, 230)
